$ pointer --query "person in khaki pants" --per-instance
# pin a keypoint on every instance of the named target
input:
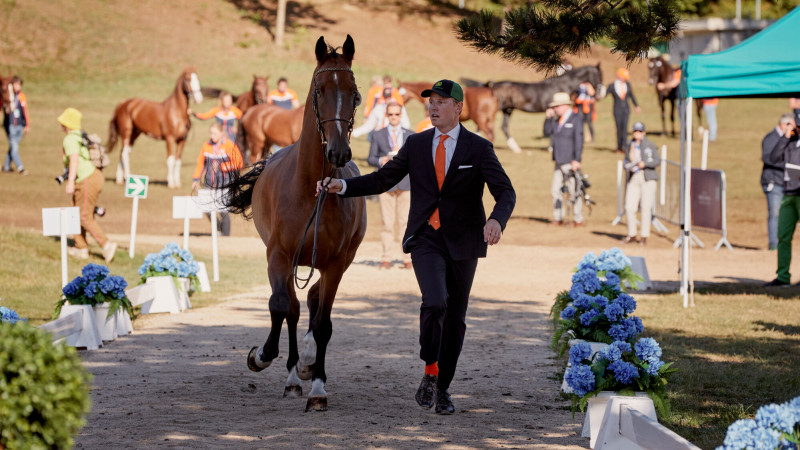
(84, 183)
(395, 202)
(641, 161)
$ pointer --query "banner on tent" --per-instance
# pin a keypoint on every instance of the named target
(707, 193)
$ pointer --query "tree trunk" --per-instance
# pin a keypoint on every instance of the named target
(279, 28)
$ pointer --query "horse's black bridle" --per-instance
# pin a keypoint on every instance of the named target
(317, 212)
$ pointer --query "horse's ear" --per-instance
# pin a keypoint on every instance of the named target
(321, 50)
(349, 48)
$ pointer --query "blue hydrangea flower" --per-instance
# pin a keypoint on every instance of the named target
(612, 260)
(183, 269)
(623, 346)
(579, 352)
(610, 353)
(93, 271)
(653, 366)
(782, 417)
(588, 317)
(194, 267)
(73, 287)
(114, 285)
(581, 379)
(582, 302)
(637, 324)
(740, 435)
(647, 348)
(8, 315)
(614, 312)
(576, 290)
(619, 332)
(91, 289)
(599, 302)
(589, 261)
(624, 372)
(766, 438)
(587, 278)
(612, 280)
(568, 312)
(185, 255)
(627, 302)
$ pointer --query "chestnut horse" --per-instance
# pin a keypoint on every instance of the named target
(480, 105)
(534, 97)
(280, 193)
(168, 121)
(255, 96)
(265, 125)
(6, 94)
(661, 72)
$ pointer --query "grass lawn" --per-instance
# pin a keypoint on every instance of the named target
(735, 353)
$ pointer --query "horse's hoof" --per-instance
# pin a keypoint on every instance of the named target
(119, 182)
(317, 404)
(293, 391)
(251, 361)
(304, 372)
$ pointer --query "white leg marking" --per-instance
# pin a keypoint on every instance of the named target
(259, 354)
(194, 83)
(126, 162)
(177, 174)
(293, 379)
(318, 389)
(170, 170)
(309, 355)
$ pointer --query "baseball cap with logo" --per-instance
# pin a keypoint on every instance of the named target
(446, 88)
(638, 126)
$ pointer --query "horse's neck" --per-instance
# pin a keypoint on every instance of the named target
(666, 73)
(178, 97)
(310, 155)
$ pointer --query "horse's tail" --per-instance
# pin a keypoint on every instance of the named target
(238, 197)
(473, 83)
(113, 134)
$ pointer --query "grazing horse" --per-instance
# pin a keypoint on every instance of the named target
(480, 105)
(168, 121)
(265, 125)
(534, 97)
(280, 193)
(662, 72)
(255, 96)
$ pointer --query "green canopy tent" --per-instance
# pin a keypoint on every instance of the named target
(765, 65)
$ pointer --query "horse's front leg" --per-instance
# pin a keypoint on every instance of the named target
(293, 382)
(319, 334)
(512, 143)
(260, 358)
(171, 163)
(662, 101)
(176, 175)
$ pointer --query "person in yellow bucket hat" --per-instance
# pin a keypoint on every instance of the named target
(621, 91)
(84, 182)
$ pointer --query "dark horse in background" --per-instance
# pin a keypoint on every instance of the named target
(255, 96)
(168, 121)
(280, 193)
(534, 97)
(662, 72)
(480, 105)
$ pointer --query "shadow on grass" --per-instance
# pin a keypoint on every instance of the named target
(264, 13)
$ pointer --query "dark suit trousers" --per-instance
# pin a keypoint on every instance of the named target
(621, 118)
(445, 286)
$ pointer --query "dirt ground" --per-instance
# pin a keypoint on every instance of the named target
(181, 380)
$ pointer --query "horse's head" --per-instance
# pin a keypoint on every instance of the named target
(260, 89)
(6, 94)
(334, 96)
(191, 85)
(656, 65)
(594, 75)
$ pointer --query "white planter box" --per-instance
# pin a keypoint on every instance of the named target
(596, 347)
(124, 324)
(166, 298)
(186, 285)
(106, 326)
(595, 411)
(88, 337)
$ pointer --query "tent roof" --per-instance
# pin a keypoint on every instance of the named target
(766, 64)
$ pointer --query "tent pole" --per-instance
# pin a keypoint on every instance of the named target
(686, 204)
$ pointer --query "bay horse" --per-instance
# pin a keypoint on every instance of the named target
(168, 121)
(480, 105)
(661, 71)
(265, 125)
(279, 194)
(534, 97)
(255, 96)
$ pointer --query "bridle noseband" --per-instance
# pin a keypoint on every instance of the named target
(315, 102)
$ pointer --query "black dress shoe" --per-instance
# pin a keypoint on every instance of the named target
(426, 394)
(776, 282)
(443, 403)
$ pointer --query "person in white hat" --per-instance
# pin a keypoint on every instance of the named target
(566, 139)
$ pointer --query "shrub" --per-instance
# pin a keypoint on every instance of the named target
(44, 389)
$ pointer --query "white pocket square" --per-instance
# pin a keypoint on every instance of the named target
(569, 125)
(464, 167)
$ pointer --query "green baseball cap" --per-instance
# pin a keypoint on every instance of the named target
(446, 88)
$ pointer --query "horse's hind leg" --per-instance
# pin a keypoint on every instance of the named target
(129, 133)
(293, 382)
(260, 358)
(512, 143)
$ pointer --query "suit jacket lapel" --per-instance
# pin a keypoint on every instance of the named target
(459, 155)
(426, 158)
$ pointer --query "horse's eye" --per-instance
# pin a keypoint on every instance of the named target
(357, 99)
(658, 64)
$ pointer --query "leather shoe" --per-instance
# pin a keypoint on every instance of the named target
(776, 282)
(426, 394)
(643, 241)
(577, 224)
(386, 265)
(556, 223)
(443, 403)
(628, 239)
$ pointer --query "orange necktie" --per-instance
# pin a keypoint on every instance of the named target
(438, 165)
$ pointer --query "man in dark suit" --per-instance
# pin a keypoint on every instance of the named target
(621, 90)
(447, 230)
(566, 139)
(386, 142)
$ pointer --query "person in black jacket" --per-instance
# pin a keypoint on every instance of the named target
(447, 231)
(786, 153)
(621, 90)
(641, 162)
(566, 139)
(772, 178)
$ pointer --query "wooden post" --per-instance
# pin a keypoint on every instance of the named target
(280, 26)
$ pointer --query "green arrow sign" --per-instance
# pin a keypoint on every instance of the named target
(136, 186)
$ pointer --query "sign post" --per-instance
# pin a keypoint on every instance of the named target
(207, 200)
(61, 222)
(136, 188)
(183, 207)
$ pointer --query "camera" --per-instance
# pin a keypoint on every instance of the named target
(61, 178)
(100, 211)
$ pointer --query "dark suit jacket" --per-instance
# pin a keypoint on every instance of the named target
(620, 104)
(460, 200)
(567, 141)
(381, 147)
(770, 173)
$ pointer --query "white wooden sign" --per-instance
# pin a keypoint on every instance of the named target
(51, 221)
(184, 207)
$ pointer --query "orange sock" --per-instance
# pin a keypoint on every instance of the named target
(432, 369)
